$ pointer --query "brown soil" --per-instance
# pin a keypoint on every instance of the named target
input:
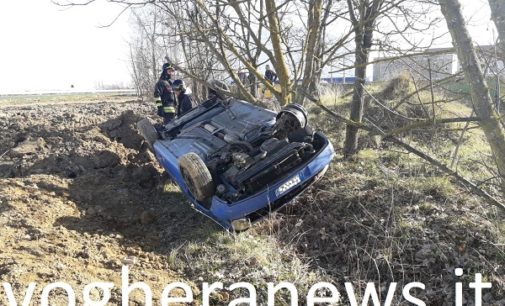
(80, 196)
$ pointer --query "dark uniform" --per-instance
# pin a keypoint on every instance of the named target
(165, 98)
(185, 103)
(270, 76)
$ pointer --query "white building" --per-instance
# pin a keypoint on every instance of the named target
(443, 62)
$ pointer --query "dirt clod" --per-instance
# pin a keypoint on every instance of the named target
(28, 147)
(147, 217)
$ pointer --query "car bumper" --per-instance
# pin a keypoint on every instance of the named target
(275, 195)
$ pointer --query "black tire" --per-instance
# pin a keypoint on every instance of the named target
(197, 177)
(147, 130)
(292, 117)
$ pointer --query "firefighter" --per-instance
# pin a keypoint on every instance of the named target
(185, 102)
(270, 75)
(165, 98)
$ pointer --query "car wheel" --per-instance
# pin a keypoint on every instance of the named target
(197, 177)
(147, 130)
(290, 119)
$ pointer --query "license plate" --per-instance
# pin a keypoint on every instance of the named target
(288, 185)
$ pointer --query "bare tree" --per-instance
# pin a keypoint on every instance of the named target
(363, 15)
(396, 23)
(482, 102)
(146, 53)
(246, 34)
(280, 62)
(319, 13)
(237, 37)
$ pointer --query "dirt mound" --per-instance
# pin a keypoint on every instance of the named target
(70, 148)
(390, 96)
(78, 185)
(122, 129)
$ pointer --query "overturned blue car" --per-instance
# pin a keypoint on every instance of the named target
(237, 162)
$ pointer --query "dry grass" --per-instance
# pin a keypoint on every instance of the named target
(47, 99)
(387, 215)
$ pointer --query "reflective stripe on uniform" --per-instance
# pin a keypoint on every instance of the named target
(169, 109)
(158, 102)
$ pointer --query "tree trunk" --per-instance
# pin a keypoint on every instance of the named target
(314, 84)
(482, 103)
(280, 64)
(363, 14)
(315, 11)
(361, 54)
(253, 87)
(196, 91)
(498, 16)
(153, 52)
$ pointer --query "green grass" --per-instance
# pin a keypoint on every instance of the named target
(463, 88)
(439, 142)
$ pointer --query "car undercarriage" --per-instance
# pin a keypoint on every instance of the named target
(234, 154)
(244, 158)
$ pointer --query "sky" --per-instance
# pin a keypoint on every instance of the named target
(480, 25)
(44, 47)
